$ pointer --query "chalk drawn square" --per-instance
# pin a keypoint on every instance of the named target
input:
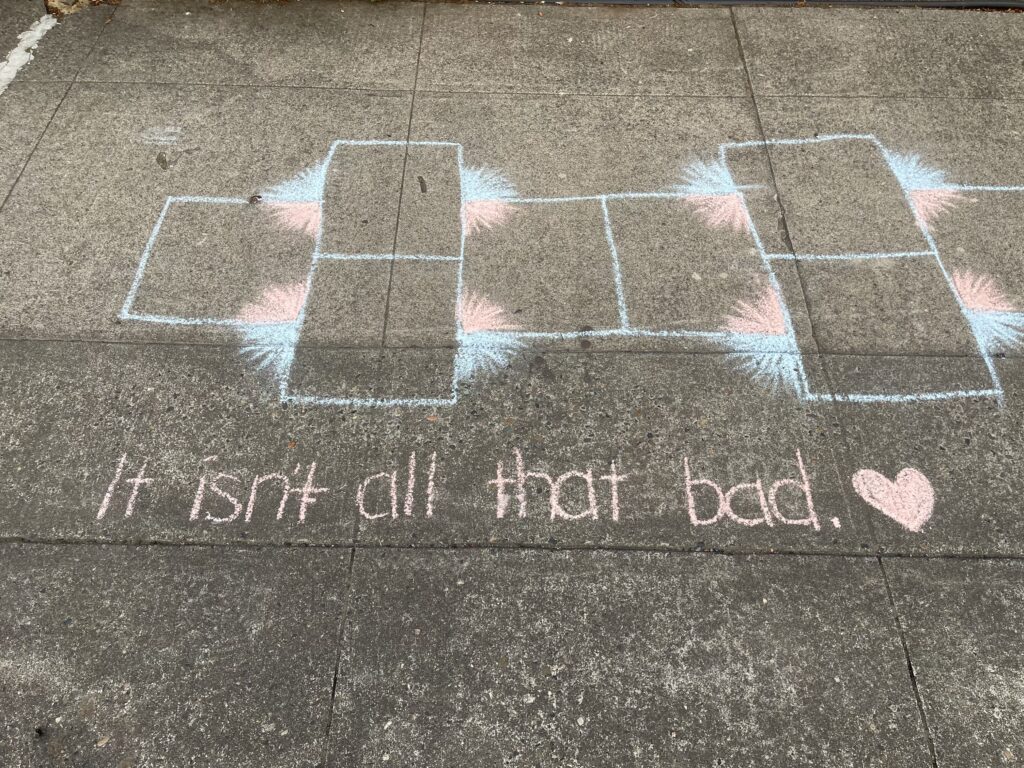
(549, 267)
(208, 260)
(889, 327)
(347, 303)
(430, 221)
(361, 193)
(840, 197)
(339, 357)
(678, 273)
(422, 304)
(885, 307)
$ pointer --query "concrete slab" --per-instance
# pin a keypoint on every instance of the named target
(861, 52)
(24, 112)
(509, 49)
(968, 451)
(962, 621)
(885, 306)
(314, 43)
(583, 145)
(73, 265)
(63, 50)
(483, 658)
(156, 656)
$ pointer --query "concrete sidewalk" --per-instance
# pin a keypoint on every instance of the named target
(466, 385)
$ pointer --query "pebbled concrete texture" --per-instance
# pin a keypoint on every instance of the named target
(167, 656)
(568, 50)
(24, 115)
(898, 52)
(590, 658)
(393, 508)
(357, 45)
(969, 672)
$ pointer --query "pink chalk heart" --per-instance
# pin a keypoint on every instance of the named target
(908, 499)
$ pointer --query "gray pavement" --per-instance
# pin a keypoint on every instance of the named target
(465, 385)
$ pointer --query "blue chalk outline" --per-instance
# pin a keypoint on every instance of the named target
(293, 190)
(996, 390)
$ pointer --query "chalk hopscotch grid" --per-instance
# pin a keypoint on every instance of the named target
(625, 329)
(996, 390)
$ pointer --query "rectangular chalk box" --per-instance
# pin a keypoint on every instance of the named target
(340, 353)
(841, 197)
(209, 259)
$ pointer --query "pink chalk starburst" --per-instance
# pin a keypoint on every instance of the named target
(297, 216)
(980, 292)
(278, 304)
(763, 316)
(477, 314)
(720, 211)
(484, 214)
(932, 203)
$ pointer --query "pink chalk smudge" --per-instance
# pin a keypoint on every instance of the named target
(278, 304)
(720, 211)
(477, 314)
(932, 203)
(484, 214)
(764, 316)
(980, 292)
(908, 499)
(298, 217)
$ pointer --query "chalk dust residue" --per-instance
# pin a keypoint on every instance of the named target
(487, 339)
(761, 316)
(932, 203)
(980, 292)
(478, 314)
(297, 216)
(720, 211)
(278, 304)
(485, 199)
(485, 214)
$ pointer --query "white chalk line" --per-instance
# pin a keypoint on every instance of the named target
(21, 54)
